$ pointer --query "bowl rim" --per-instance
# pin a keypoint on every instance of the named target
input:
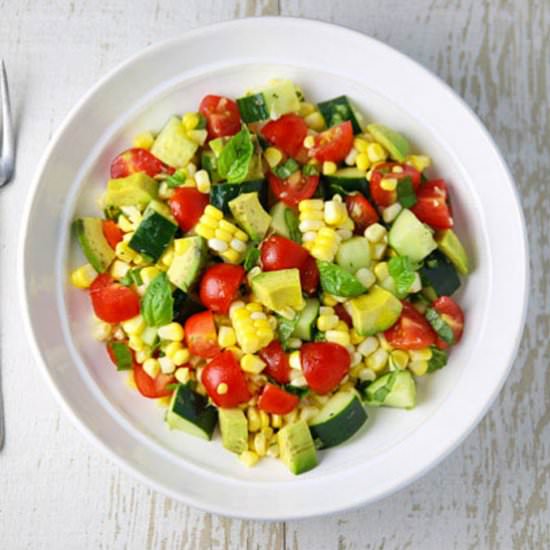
(523, 265)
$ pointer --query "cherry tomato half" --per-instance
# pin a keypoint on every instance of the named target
(411, 331)
(152, 387)
(333, 144)
(431, 205)
(187, 205)
(381, 196)
(222, 116)
(287, 133)
(324, 364)
(220, 285)
(274, 400)
(224, 369)
(453, 315)
(138, 160)
(112, 302)
(361, 212)
(294, 189)
(276, 360)
(112, 233)
(200, 335)
(309, 275)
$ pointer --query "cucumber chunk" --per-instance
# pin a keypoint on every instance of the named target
(440, 274)
(410, 237)
(354, 254)
(338, 110)
(394, 389)
(305, 327)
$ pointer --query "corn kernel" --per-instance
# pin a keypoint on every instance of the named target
(388, 184)
(167, 366)
(378, 250)
(375, 233)
(328, 300)
(424, 354)
(376, 152)
(315, 121)
(418, 368)
(143, 355)
(101, 331)
(148, 274)
(264, 419)
(183, 375)
(232, 256)
(254, 422)
(338, 337)
(391, 212)
(190, 120)
(276, 420)
(310, 204)
(133, 326)
(260, 444)
(362, 161)
(226, 337)
(327, 322)
(341, 326)
(329, 168)
(171, 349)
(125, 224)
(360, 144)
(252, 364)
(366, 277)
(136, 343)
(198, 136)
(202, 178)
(181, 357)
(171, 331)
(351, 157)
(399, 359)
(368, 346)
(355, 338)
(213, 212)
(381, 271)
(291, 417)
(294, 343)
(295, 361)
(144, 140)
(420, 162)
(249, 458)
(84, 276)
(222, 388)
(377, 361)
(384, 344)
(335, 212)
(151, 367)
(306, 108)
(273, 156)
(124, 252)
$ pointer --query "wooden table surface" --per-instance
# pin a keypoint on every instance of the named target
(56, 491)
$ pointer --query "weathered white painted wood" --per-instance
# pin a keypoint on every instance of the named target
(491, 493)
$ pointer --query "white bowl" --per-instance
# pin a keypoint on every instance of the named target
(397, 446)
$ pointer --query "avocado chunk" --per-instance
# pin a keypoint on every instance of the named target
(172, 145)
(397, 146)
(135, 190)
(449, 243)
(354, 254)
(189, 259)
(408, 236)
(296, 447)
(234, 429)
(394, 389)
(374, 312)
(250, 215)
(93, 243)
(279, 290)
(190, 412)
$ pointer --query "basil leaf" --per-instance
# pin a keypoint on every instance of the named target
(292, 222)
(405, 192)
(235, 157)
(444, 331)
(338, 281)
(132, 278)
(285, 328)
(122, 355)
(438, 359)
(403, 274)
(251, 257)
(176, 179)
(157, 304)
(286, 169)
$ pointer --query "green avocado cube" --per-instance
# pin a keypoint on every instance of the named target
(374, 312)
(94, 245)
(250, 215)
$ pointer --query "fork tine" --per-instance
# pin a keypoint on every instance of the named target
(8, 137)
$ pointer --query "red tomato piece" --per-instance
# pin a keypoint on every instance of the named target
(287, 133)
(309, 275)
(333, 144)
(274, 400)
(112, 233)
(200, 335)
(224, 369)
(222, 116)
(431, 205)
(138, 160)
(294, 189)
(276, 360)
(187, 205)
(361, 212)
(324, 364)
(112, 302)
(453, 315)
(382, 197)
(152, 387)
(411, 331)
(220, 285)
(281, 253)
(343, 315)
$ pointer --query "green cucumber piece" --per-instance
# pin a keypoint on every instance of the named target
(305, 327)
(338, 110)
(122, 355)
(253, 108)
(443, 329)
(440, 274)
(222, 193)
(346, 181)
(408, 236)
(394, 389)
(278, 219)
(354, 254)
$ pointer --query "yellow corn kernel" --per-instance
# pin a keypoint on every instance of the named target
(226, 337)
(328, 300)
(355, 338)
(125, 224)
(198, 136)
(204, 231)
(101, 331)
(384, 344)
(389, 184)
(249, 458)
(360, 144)
(84, 276)
(399, 359)
(381, 271)
(151, 367)
(168, 257)
(144, 140)
(143, 355)
(131, 381)
(276, 420)
(148, 274)
(212, 212)
(335, 212)
(231, 256)
(342, 327)
(135, 343)
(306, 109)
(254, 422)
(260, 444)
(424, 354)
(310, 204)
(327, 322)
(273, 156)
(252, 364)
(171, 331)
(133, 326)
(376, 152)
(420, 162)
(375, 233)
(163, 402)
(237, 352)
(190, 120)
(329, 168)
(124, 252)
(181, 357)
(183, 375)
(239, 235)
(291, 417)
(362, 161)
(167, 366)
(223, 235)
(264, 419)
(418, 368)
(377, 361)
(338, 337)
(202, 179)
(309, 142)
(315, 121)
(222, 388)
(308, 413)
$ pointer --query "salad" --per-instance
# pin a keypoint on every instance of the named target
(273, 267)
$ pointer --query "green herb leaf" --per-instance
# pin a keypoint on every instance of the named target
(444, 331)
(157, 304)
(310, 170)
(133, 277)
(202, 122)
(286, 169)
(319, 336)
(292, 222)
(251, 257)
(172, 387)
(379, 396)
(405, 192)
(438, 359)
(122, 355)
(176, 179)
(235, 157)
(285, 328)
(295, 390)
(402, 272)
(338, 281)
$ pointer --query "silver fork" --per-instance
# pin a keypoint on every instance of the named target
(7, 165)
